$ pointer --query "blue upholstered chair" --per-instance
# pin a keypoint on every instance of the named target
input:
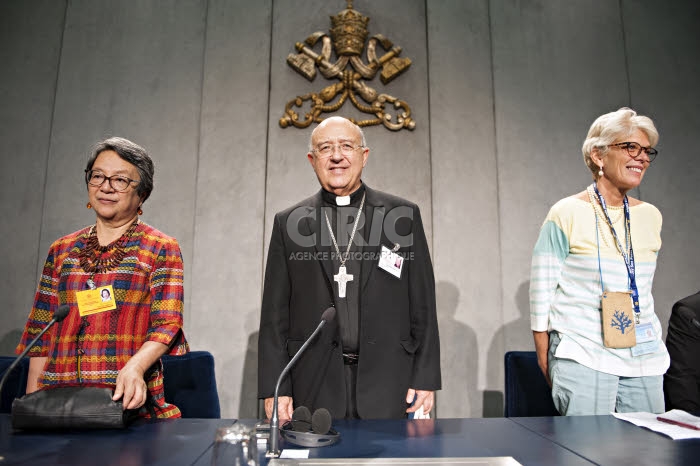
(190, 384)
(527, 392)
(16, 383)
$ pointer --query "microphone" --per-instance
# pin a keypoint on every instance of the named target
(273, 446)
(58, 316)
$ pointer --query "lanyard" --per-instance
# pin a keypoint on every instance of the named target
(629, 258)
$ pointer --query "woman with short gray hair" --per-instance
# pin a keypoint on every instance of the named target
(597, 337)
(123, 282)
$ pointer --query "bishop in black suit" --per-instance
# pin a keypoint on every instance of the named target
(682, 380)
(365, 253)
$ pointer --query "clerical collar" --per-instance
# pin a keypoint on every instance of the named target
(334, 200)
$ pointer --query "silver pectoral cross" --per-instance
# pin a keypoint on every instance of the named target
(342, 278)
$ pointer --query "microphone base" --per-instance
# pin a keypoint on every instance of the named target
(273, 443)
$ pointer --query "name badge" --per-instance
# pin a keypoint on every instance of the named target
(95, 301)
(646, 340)
(391, 262)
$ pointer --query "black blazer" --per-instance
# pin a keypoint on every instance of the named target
(399, 341)
(682, 380)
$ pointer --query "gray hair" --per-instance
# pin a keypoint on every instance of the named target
(610, 128)
(132, 153)
(363, 141)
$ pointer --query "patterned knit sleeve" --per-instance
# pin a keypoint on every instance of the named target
(45, 303)
(548, 256)
(167, 299)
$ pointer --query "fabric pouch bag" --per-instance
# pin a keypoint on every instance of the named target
(72, 407)
(618, 320)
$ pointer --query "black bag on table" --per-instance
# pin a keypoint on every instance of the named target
(72, 407)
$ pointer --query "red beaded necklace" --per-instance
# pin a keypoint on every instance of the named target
(96, 259)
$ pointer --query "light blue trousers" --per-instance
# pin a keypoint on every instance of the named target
(579, 391)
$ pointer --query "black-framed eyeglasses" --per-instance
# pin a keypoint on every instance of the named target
(328, 149)
(118, 183)
(634, 150)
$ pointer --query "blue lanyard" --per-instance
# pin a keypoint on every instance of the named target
(629, 258)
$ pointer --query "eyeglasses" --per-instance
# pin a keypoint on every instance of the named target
(327, 150)
(634, 150)
(118, 183)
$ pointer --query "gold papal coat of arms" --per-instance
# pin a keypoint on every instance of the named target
(347, 38)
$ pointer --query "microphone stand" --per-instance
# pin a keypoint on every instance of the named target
(59, 315)
(273, 450)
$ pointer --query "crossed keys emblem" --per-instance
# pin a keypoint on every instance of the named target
(347, 39)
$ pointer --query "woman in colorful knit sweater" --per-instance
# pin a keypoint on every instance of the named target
(115, 342)
(597, 338)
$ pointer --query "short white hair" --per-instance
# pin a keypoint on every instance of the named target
(363, 141)
(610, 128)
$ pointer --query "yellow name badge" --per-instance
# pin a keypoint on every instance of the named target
(98, 300)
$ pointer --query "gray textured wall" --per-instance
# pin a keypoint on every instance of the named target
(503, 92)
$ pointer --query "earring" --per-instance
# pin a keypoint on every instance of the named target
(600, 172)
(140, 212)
(89, 206)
